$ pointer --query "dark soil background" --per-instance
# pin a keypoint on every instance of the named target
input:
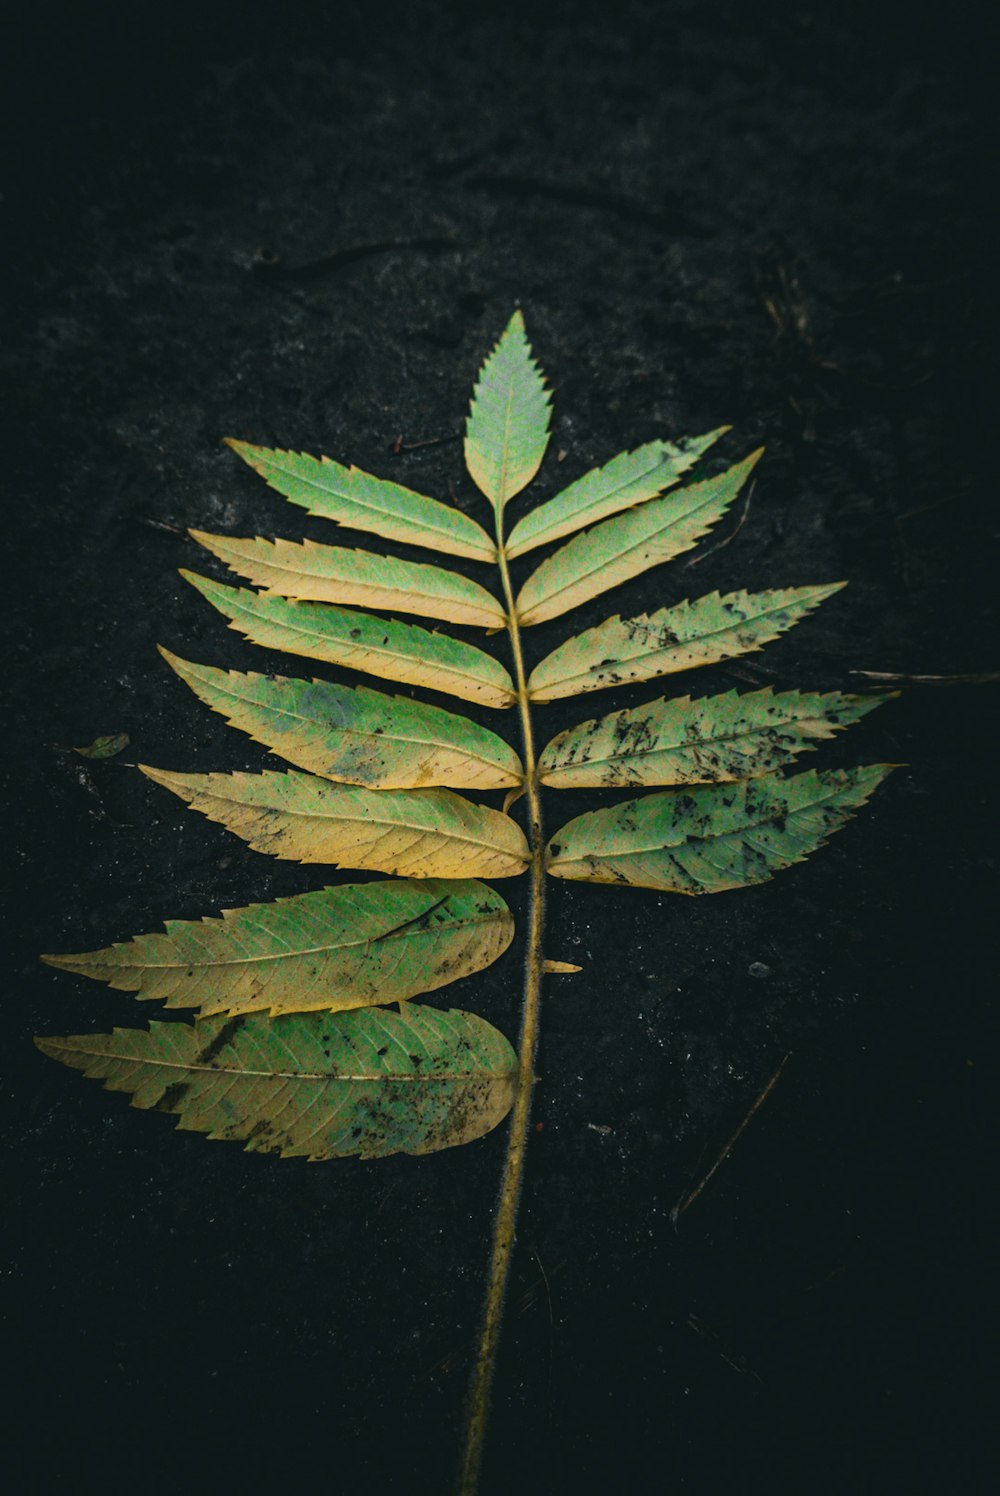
(767, 215)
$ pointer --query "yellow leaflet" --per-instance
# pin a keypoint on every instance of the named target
(336, 948)
(386, 647)
(330, 574)
(301, 818)
(355, 735)
(629, 544)
(711, 628)
(350, 497)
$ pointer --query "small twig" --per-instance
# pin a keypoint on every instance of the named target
(548, 1290)
(752, 673)
(975, 678)
(924, 509)
(835, 1272)
(274, 265)
(701, 1328)
(382, 1203)
(552, 1328)
(732, 534)
(788, 310)
(528, 1297)
(399, 445)
(672, 218)
(161, 524)
(851, 376)
(689, 1199)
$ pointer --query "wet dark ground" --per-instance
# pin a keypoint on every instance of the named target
(708, 214)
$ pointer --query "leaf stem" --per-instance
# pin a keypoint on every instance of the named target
(505, 1220)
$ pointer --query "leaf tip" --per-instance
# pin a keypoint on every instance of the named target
(176, 782)
(867, 701)
(205, 585)
(871, 777)
(174, 661)
(253, 456)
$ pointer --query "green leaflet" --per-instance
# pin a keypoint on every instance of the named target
(629, 544)
(330, 574)
(508, 426)
(397, 651)
(351, 497)
(345, 947)
(109, 745)
(680, 741)
(317, 1085)
(354, 734)
(711, 628)
(627, 479)
(714, 837)
(301, 818)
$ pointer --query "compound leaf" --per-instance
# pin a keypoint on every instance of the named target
(680, 741)
(713, 837)
(397, 651)
(353, 734)
(318, 1085)
(626, 480)
(507, 430)
(711, 628)
(345, 947)
(301, 818)
(351, 497)
(629, 544)
(331, 574)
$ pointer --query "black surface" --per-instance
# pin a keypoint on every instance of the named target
(644, 180)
